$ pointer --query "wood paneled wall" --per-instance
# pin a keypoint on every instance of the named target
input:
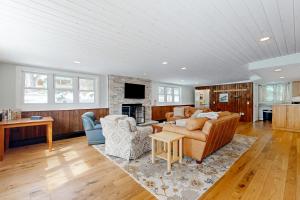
(240, 99)
(159, 112)
(65, 122)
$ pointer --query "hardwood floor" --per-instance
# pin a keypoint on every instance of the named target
(269, 170)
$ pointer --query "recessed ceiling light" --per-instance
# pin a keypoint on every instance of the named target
(263, 39)
(164, 63)
(281, 77)
(183, 68)
(76, 62)
(145, 74)
(277, 70)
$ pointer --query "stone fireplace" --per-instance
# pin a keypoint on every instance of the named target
(137, 111)
(116, 85)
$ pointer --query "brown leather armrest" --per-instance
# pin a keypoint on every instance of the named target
(169, 115)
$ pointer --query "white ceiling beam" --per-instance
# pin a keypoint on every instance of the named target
(275, 62)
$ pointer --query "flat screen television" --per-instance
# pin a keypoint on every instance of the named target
(134, 91)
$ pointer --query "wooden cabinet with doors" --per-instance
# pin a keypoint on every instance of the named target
(286, 117)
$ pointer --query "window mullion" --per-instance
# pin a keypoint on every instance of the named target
(76, 90)
(173, 95)
(51, 89)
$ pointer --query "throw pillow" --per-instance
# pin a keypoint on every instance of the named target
(189, 111)
(209, 115)
(195, 124)
(194, 116)
(181, 122)
(179, 112)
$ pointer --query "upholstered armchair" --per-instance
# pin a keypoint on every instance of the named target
(123, 138)
(92, 128)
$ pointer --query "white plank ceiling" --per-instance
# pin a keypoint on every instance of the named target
(214, 39)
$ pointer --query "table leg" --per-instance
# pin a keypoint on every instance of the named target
(49, 136)
(175, 149)
(7, 134)
(153, 150)
(180, 150)
(1, 143)
(169, 156)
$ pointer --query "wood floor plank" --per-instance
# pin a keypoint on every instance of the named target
(74, 170)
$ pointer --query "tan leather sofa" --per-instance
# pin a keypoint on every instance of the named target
(199, 144)
(188, 112)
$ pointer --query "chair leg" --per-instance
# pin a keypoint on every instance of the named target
(198, 161)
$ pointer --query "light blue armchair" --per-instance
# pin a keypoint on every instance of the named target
(92, 128)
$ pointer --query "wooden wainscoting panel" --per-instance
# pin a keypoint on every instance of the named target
(65, 122)
(240, 99)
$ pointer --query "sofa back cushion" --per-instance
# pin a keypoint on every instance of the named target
(224, 113)
(195, 124)
(206, 110)
(178, 111)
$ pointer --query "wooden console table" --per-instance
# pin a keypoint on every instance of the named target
(6, 125)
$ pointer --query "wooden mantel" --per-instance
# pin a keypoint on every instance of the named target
(286, 117)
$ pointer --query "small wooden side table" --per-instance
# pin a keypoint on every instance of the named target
(165, 146)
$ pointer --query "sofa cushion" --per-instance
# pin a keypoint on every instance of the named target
(178, 111)
(195, 124)
(197, 134)
(181, 122)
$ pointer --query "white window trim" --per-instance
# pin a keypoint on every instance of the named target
(51, 105)
(165, 95)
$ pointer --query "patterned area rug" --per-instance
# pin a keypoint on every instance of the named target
(188, 180)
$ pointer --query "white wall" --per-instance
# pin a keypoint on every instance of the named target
(187, 93)
(11, 90)
(7, 86)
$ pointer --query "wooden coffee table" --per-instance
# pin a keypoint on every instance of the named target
(167, 146)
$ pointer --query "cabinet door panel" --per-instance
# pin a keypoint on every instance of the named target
(292, 118)
(296, 88)
(279, 116)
